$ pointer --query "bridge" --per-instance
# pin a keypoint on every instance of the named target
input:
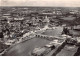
(48, 37)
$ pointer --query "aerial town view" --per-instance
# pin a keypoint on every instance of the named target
(39, 31)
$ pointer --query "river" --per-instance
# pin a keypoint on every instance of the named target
(24, 48)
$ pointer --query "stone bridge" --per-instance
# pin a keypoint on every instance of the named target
(48, 37)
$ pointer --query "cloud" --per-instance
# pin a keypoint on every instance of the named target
(62, 3)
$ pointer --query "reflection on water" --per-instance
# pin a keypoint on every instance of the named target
(26, 47)
(54, 32)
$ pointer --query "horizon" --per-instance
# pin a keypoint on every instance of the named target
(40, 3)
(39, 6)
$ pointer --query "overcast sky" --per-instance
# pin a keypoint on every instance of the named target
(56, 3)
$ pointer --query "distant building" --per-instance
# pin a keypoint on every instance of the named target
(73, 11)
(6, 15)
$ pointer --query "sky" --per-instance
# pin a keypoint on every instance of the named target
(51, 3)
